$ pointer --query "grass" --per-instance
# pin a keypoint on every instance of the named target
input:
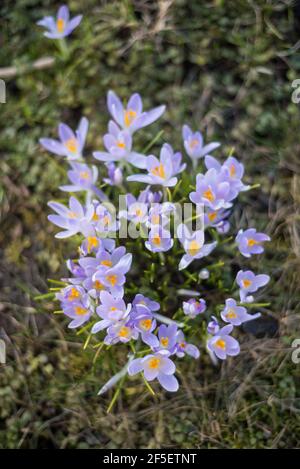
(224, 67)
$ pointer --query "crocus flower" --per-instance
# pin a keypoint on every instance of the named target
(193, 245)
(122, 331)
(222, 344)
(143, 322)
(132, 117)
(194, 145)
(167, 339)
(118, 144)
(213, 326)
(114, 277)
(194, 307)
(95, 244)
(80, 312)
(184, 348)
(232, 171)
(250, 242)
(250, 283)
(156, 366)
(115, 175)
(111, 310)
(71, 294)
(235, 314)
(159, 240)
(74, 219)
(71, 144)
(61, 26)
(215, 218)
(83, 178)
(212, 190)
(77, 271)
(104, 218)
(161, 171)
(159, 214)
(141, 302)
(136, 208)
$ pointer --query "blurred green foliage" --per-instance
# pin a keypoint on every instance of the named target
(223, 67)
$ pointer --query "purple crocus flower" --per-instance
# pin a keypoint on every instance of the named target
(143, 322)
(156, 366)
(104, 219)
(118, 144)
(236, 315)
(232, 171)
(193, 245)
(115, 175)
(167, 339)
(114, 277)
(110, 311)
(250, 242)
(77, 271)
(159, 214)
(136, 208)
(121, 331)
(140, 302)
(71, 294)
(95, 244)
(194, 145)
(71, 144)
(215, 218)
(161, 171)
(194, 307)
(61, 26)
(250, 283)
(83, 178)
(212, 190)
(132, 117)
(213, 326)
(184, 348)
(80, 312)
(74, 219)
(222, 344)
(159, 240)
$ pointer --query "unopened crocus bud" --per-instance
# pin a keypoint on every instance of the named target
(204, 274)
(213, 326)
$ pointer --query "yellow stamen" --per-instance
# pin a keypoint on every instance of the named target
(60, 25)
(232, 170)
(231, 314)
(251, 242)
(194, 143)
(246, 283)
(129, 117)
(193, 248)
(106, 220)
(107, 263)
(120, 144)
(72, 215)
(146, 324)
(98, 285)
(221, 344)
(154, 363)
(71, 145)
(74, 294)
(138, 212)
(209, 195)
(212, 216)
(182, 344)
(95, 217)
(156, 239)
(92, 242)
(112, 279)
(113, 308)
(159, 171)
(164, 341)
(124, 332)
(155, 219)
(84, 174)
(80, 311)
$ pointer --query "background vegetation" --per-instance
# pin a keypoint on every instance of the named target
(225, 67)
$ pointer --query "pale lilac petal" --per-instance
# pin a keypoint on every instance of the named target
(54, 146)
(168, 382)
(136, 366)
(72, 24)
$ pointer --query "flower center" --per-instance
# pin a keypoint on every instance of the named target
(246, 283)
(209, 195)
(159, 171)
(231, 314)
(72, 215)
(129, 116)
(95, 217)
(232, 170)
(194, 143)
(154, 363)
(221, 344)
(120, 144)
(124, 331)
(74, 294)
(92, 242)
(164, 341)
(84, 174)
(252, 242)
(156, 239)
(80, 311)
(112, 279)
(71, 145)
(60, 24)
(98, 285)
(212, 216)
(193, 248)
(107, 263)
(145, 324)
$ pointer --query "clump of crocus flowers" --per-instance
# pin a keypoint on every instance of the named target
(94, 296)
